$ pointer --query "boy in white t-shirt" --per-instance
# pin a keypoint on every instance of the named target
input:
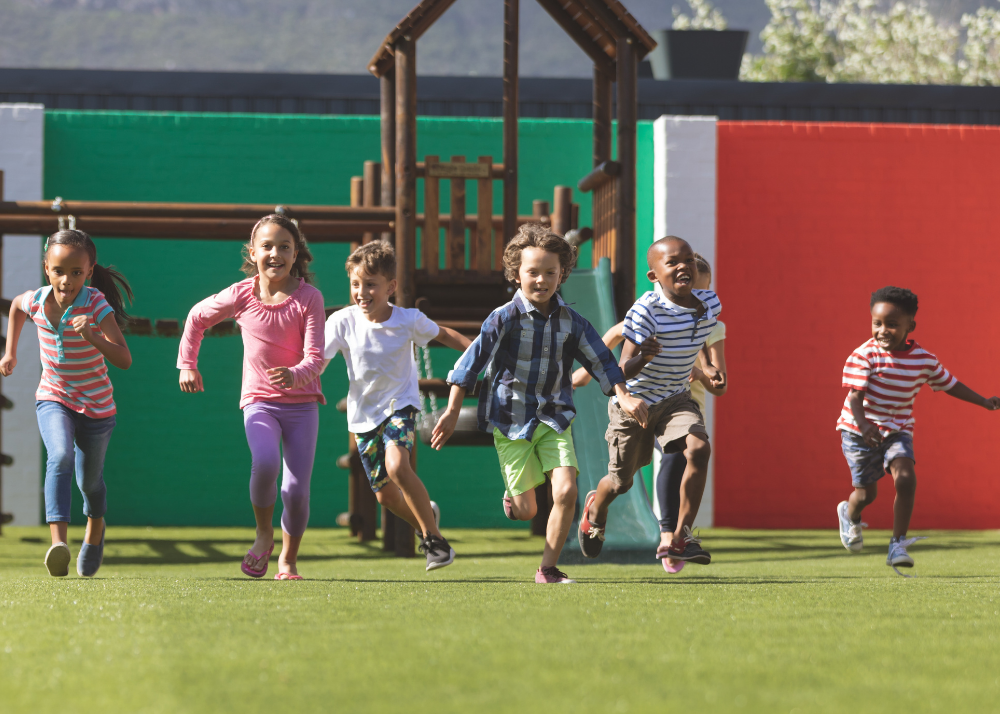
(377, 340)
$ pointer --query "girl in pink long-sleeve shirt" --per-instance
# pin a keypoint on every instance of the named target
(282, 319)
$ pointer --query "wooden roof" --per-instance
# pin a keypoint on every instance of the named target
(595, 25)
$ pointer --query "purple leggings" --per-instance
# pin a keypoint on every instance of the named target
(293, 428)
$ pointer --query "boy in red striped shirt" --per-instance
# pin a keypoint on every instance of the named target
(876, 423)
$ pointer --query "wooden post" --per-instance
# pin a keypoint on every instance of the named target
(455, 257)
(387, 85)
(362, 504)
(431, 234)
(357, 197)
(371, 191)
(539, 209)
(626, 232)
(562, 214)
(510, 112)
(406, 169)
(484, 223)
(602, 117)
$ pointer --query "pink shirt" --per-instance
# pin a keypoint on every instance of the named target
(289, 334)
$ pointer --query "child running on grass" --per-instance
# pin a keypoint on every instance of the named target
(680, 319)
(78, 327)
(281, 318)
(527, 348)
(383, 400)
(876, 422)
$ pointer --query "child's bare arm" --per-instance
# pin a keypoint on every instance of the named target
(450, 338)
(635, 357)
(869, 431)
(718, 382)
(614, 337)
(960, 391)
(446, 424)
(112, 344)
(14, 325)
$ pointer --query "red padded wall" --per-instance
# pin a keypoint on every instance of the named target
(811, 219)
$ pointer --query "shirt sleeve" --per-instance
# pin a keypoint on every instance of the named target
(479, 353)
(718, 333)
(314, 318)
(857, 371)
(423, 329)
(597, 359)
(101, 308)
(26, 301)
(639, 324)
(940, 379)
(334, 339)
(210, 311)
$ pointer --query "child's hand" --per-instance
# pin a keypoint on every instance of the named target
(648, 350)
(635, 408)
(81, 325)
(444, 428)
(993, 403)
(191, 381)
(870, 433)
(581, 378)
(280, 377)
(7, 365)
(697, 375)
(716, 378)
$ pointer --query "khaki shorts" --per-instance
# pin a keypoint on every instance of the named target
(630, 447)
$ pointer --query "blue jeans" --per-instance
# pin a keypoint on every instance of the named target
(74, 442)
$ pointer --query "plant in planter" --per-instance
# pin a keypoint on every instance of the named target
(698, 46)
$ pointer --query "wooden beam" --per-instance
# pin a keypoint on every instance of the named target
(625, 268)
(412, 27)
(146, 209)
(387, 89)
(588, 44)
(562, 212)
(371, 192)
(604, 172)
(455, 254)
(357, 198)
(484, 221)
(511, 22)
(458, 169)
(431, 235)
(496, 170)
(602, 116)
(406, 164)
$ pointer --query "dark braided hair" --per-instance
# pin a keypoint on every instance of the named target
(900, 297)
(108, 280)
(300, 268)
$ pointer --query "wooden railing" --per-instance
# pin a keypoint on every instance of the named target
(603, 182)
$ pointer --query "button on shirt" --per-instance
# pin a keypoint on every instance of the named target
(681, 333)
(528, 359)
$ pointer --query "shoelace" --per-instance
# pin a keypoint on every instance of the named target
(554, 572)
(855, 529)
(427, 545)
(904, 544)
(689, 536)
(596, 532)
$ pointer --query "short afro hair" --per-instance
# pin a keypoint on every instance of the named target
(900, 297)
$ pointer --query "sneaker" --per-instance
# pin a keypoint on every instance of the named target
(850, 532)
(551, 574)
(57, 560)
(437, 514)
(591, 535)
(439, 553)
(91, 557)
(689, 549)
(898, 557)
(508, 507)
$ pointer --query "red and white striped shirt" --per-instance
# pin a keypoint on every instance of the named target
(73, 370)
(890, 381)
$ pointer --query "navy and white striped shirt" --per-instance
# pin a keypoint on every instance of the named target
(528, 359)
(681, 334)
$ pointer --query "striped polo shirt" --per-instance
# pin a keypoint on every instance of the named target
(681, 332)
(73, 370)
(890, 381)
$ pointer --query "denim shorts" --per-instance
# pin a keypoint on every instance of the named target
(398, 429)
(869, 464)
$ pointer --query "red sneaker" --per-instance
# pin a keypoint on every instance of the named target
(551, 574)
(591, 535)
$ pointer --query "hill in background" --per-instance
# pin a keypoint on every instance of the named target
(329, 36)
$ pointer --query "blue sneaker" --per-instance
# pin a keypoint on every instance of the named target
(90, 558)
(898, 557)
(850, 532)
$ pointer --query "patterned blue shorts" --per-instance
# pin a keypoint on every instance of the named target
(869, 464)
(398, 429)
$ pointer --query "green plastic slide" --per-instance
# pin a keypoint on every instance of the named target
(631, 523)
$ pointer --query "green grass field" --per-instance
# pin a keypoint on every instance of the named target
(780, 622)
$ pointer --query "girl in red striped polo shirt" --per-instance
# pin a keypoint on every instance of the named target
(78, 327)
(876, 422)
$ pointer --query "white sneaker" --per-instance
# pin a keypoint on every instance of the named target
(437, 515)
(850, 532)
(57, 560)
(898, 557)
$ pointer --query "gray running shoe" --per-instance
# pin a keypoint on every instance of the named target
(57, 560)
(439, 553)
(898, 557)
(850, 532)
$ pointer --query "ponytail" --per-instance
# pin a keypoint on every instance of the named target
(108, 280)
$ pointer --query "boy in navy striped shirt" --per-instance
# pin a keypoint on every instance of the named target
(664, 332)
(527, 348)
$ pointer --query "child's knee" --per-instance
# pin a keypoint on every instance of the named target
(564, 493)
(620, 483)
(904, 476)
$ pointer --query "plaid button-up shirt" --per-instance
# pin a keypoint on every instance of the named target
(528, 359)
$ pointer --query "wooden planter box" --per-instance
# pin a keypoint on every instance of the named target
(698, 54)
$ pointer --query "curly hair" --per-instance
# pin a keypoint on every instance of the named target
(300, 268)
(375, 258)
(535, 235)
(902, 298)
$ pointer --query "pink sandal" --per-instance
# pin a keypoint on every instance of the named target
(287, 576)
(257, 573)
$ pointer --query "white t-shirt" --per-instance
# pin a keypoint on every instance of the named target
(380, 364)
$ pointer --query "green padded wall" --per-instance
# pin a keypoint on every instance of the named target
(179, 459)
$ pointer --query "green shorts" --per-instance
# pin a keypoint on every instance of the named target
(525, 463)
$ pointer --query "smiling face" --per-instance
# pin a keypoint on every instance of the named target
(68, 269)
(539, 276)
(891, 325)
(671, 264)
(273, 252)
(371, 294)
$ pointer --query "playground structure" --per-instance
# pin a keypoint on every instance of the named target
(458, 285)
